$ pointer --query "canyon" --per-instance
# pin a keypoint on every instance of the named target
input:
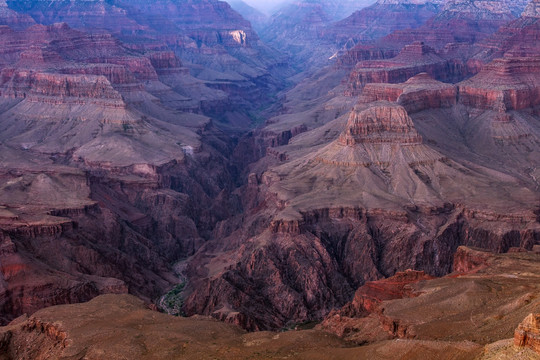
(365, 174)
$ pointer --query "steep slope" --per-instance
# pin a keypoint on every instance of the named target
(380, 19)
(413, 59)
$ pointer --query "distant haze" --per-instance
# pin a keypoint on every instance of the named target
(265, 5)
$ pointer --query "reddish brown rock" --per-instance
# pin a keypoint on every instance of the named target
(467, 260)
(421, 92)
(379, 124)
(505, 84)
(369, 296)
(57, 88)
(368, 300)
(412, 60)
(528, 333)
(421, 309)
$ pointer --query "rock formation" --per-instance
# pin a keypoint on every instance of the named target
(518, 38)
(411, 60)
(425, 317)
(504, 84)
(528, 333)
(377, 310)
(122, 326)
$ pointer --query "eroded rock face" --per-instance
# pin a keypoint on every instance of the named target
(59, 88)
(504, 84)
(412, 60)
(421, 92)
(368, 300)
(528, 333)
(374, 314)
(379, 124)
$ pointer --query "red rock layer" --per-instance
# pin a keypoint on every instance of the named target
(57, 88)
(368, 299)
(380, 124)
(412, 60)
(504, 84)
(369, 296)
(421, 92)
(528, 333)
(518, 38)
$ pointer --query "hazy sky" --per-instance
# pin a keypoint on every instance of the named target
(264, 5)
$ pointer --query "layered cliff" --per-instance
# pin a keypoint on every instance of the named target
(413, 59)
(198, 32)
(517, 38)
(468, 21)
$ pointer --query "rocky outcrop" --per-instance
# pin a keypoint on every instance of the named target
(368, 300)
(379, 124)
(421, 92)
(503, 85)
(467, 260)
(528, 333)
(412, 60)
(376, 314)
(59, 89)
